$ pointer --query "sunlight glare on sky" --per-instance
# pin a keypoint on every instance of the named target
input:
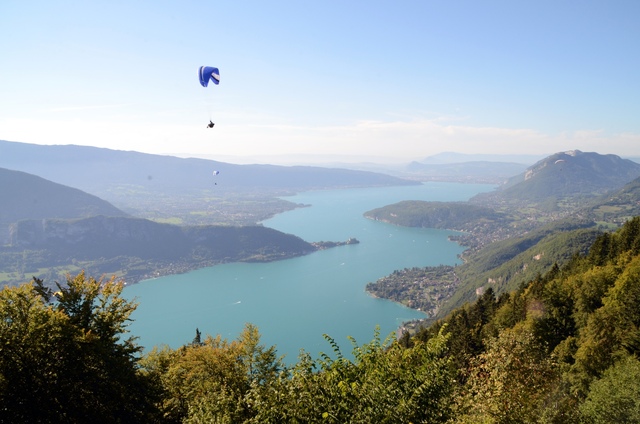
(393, 80)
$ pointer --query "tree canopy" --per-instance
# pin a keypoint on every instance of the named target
(562, 348)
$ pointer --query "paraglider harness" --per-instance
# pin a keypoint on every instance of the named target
(210, 124)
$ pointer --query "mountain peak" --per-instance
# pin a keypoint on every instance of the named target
(568, 174)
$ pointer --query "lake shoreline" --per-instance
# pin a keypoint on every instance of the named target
(294, 302)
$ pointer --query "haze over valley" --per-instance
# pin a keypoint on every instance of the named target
(532, 224)
(168, 215)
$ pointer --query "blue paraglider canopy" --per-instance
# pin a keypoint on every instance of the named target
(208, 73)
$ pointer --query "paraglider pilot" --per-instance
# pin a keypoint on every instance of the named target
(210, 124)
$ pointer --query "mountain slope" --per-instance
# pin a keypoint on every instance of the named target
(26, 196)
(615, 207)
(506, 264)
(567, 174)
(136, 248)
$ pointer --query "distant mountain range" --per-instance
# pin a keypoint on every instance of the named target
(453, 158)
(97, 171)
(495, 168)
(475, 172)
(182, 190)
(455, 167)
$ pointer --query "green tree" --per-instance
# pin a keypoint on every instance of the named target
(262, 363)
(385, 383)
(35, 348)
(65, 361)
(613, 329)
(615, 398)
(211, 381)
(509, 383)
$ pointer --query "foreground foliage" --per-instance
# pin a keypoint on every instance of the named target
(552, 351)
(63, 359)
(242, 381)
(562, 348)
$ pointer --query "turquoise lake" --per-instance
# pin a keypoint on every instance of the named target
(295, 301)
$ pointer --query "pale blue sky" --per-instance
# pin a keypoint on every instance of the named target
(397, 80)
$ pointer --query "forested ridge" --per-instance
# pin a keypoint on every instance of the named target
(502, 265)
(135, 248)
(449, 215)
(562, 348)
(511, 235)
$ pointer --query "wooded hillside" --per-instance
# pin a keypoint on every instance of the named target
(136, 248)
(563, 348)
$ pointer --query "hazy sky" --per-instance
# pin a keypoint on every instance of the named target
(400, 80)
